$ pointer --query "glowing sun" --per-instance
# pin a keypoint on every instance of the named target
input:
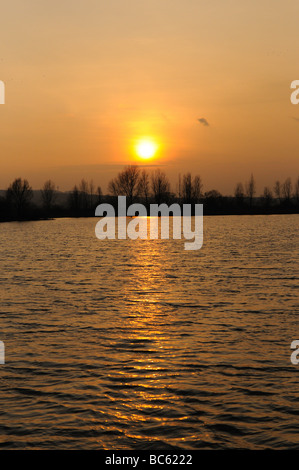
(146, 148)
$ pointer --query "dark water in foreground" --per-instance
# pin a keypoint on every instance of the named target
(142, 345)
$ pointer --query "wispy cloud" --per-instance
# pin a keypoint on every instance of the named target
(203, 121)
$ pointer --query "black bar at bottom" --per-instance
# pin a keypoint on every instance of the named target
(140, 459)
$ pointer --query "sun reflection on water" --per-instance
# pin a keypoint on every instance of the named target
(146, 380)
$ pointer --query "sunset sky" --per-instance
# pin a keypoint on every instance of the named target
(85, 80)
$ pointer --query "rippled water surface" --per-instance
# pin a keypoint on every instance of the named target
(142, 345)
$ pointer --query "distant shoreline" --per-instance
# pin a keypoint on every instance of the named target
(150, 190)
(206, 214)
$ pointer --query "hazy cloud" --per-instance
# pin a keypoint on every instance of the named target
(203, 121)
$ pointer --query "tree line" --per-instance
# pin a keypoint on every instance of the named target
(146, 187)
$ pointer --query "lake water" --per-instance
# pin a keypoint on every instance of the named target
(143, 345)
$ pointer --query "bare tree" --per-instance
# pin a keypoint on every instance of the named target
(126, 183)
(197, 189)
(91, 194)
(20, 193)
(250, 189)
(179, 187)
(99, 195)
(239, 192)
(113, 187)
(277, 190)
(84, 194)
(191, 188)
(160, 186)
(287, 189)
(187, 188)
(48, 195)
(82, 197)
(143, 183)
(267, 196)
(75, 200)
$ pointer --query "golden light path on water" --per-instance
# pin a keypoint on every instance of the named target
(148, 397)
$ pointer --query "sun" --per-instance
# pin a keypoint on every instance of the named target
(146, 148)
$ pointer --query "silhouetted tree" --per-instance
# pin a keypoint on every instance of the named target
(82, 198)
(179, 187)
(197, 189)
(99, 195)
(287, 190)
(48, 196)
(144, 188)
(277, 190)
(267, 196)
(75, 200)
(84, 195)
(250, 189)
(187, 188)
(91, 194)
(239, 193)
(160, 186)
(19, 194)
(126, 183)
(191, 188)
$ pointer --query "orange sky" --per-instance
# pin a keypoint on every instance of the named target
(85, 79)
